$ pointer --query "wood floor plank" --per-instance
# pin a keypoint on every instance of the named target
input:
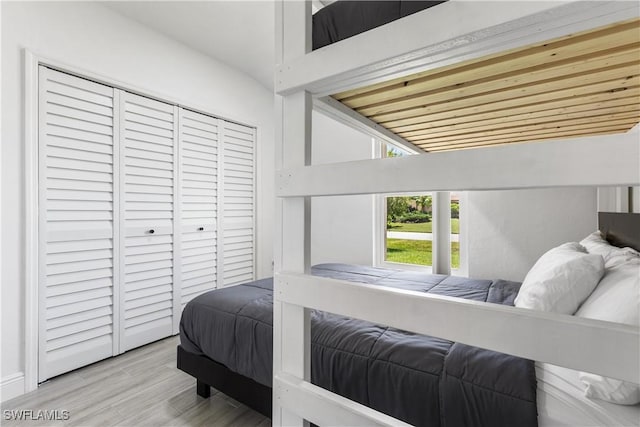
(141, 387)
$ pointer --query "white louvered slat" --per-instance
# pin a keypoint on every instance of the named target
(205, 272)
(238, 245)
(198, 201)
(76, 229)
(69, 288)
(147, 211)
(70, 112)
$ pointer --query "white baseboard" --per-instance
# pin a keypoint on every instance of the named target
(11, 386)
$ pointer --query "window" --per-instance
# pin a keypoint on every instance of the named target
(410, 234)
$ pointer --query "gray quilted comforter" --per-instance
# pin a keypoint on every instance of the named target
(419, 379)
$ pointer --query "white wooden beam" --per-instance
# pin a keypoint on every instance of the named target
(448, 33)
(604, 348)
(291, 324)
(340, 112)
(590, 161)
(324, 408)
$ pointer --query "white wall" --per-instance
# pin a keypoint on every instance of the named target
(506, 231)
(341, 226)
(509, 230)
(91, 37)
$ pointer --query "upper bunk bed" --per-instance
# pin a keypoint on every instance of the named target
(543, 71)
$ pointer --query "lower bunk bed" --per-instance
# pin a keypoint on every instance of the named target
(226, 343)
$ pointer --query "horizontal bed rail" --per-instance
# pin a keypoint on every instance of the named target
(603, 348)
(612, 160)
(456, 31)
(324, 408)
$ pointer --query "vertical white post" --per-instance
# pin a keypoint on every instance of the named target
(441, 209)
(291, 338)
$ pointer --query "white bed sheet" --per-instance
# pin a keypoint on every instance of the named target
(561, 402)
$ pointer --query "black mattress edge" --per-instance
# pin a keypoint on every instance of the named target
(346, 18)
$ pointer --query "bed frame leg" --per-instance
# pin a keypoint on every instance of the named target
(203, 390)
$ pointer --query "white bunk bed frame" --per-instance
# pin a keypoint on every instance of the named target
(457, 31)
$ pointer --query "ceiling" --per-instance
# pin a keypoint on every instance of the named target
(238, 33)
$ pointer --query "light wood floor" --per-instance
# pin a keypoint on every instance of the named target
(142, 387)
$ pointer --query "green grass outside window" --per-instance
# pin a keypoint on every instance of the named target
(417, 252)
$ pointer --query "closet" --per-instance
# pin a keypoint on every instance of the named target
(143, 205)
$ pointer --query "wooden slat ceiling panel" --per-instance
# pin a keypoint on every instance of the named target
(579, 85)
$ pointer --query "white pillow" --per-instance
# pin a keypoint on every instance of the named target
(561, 279)
(594, 243)
(616, 299)
(610, 390)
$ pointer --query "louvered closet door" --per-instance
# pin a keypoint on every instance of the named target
(199, 203)
(76, 223)
(239, 192)
(148, 186)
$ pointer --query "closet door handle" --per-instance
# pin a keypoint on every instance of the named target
(200, 228)
(152, 231)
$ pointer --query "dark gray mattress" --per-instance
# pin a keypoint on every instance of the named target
(345, 18)
(418, 379)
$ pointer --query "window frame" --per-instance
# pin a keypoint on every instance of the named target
(439, 240)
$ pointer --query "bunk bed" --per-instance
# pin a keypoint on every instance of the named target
(551, 130)
(401, 93)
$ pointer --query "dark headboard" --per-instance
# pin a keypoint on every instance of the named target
(620, 229)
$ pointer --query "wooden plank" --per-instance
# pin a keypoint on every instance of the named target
(495, 112)
(553, 56)
(486, 144)
(582, 112)
(580, 126)
(510, 99)
(573, 162)
(520, 85)
(523, 139)
(604, 348)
